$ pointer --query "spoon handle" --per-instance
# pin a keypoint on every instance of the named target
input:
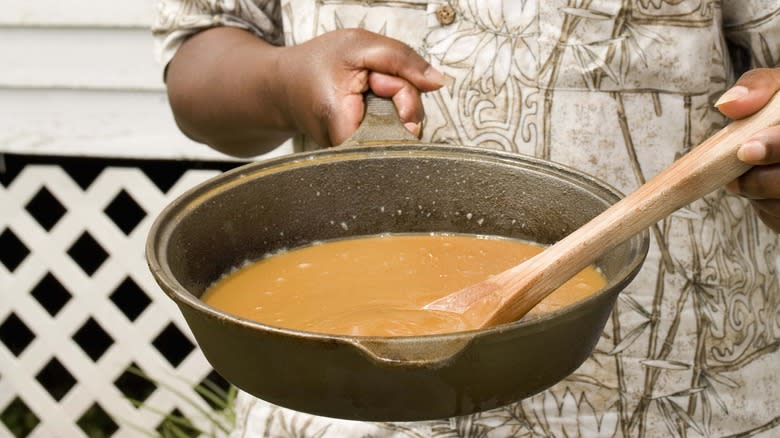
(704, 169)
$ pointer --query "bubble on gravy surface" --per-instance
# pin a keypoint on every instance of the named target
(377, 285)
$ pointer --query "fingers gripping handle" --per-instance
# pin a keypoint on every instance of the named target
(380, 125)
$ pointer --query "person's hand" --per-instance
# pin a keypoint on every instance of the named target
(242, 96)
(761, 184)
(324, 80)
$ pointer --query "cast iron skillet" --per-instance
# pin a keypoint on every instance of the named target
(380, 181)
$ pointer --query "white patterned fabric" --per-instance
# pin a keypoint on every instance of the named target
(618, 89)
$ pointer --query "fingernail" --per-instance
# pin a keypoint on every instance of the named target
(437, 77)
(732, 94)
(414, 128)
(752, 151)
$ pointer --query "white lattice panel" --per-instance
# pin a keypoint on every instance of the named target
(50, 255)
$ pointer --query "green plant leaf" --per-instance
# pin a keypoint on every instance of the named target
(219, 402)
(174, 431)
(212, 417)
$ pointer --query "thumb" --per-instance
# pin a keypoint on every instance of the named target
(751, 92)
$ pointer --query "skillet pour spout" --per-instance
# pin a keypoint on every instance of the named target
(398, 185)
(409, 351)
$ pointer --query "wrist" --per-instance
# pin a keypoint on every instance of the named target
(262, 85)
(290, 85)
(280, 87)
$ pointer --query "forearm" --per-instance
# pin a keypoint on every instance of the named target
(225, 91)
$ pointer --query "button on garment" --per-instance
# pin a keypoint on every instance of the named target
(445, 14)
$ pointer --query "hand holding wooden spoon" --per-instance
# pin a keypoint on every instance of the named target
(509, 295)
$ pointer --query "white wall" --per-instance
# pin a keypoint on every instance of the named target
(79, 77)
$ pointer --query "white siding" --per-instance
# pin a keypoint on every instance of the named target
(102, 122)
(79, 77)
(111, 58)
(94, 13)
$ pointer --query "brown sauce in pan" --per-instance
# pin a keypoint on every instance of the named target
(378, 285)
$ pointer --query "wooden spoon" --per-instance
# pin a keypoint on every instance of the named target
(509, 295)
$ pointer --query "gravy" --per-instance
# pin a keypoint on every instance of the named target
(378, 285)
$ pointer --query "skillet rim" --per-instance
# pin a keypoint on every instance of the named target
(161, 229)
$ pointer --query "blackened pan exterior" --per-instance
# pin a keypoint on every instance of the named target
(292, 201)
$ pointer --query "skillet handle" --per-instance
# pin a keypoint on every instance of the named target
(380, 125)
